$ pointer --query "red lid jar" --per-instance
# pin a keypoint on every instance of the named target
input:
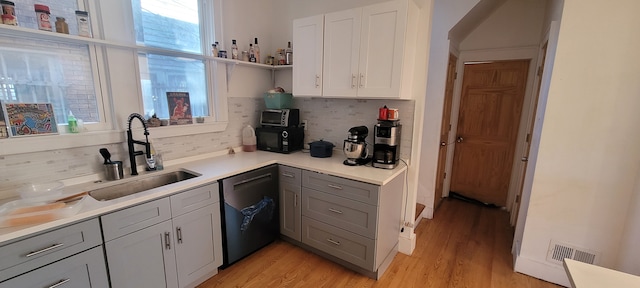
(43, 19)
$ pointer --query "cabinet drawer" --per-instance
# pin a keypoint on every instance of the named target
(84, 270)
(345, 245)
(343, 213)
(359, 191)
(194, 199)
(290, 175)
(135, 218)
(40, 250)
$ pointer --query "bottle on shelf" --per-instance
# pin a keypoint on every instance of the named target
(61, 25)
(84, 23)
(289, 55)
(252, 54)
(281, 60)
(234, 50)
(214, 49)
(256, 49)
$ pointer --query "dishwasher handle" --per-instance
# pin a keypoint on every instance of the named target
(252, 179)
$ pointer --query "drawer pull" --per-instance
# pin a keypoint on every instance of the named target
(333, 242)
(335, 211)
(54, 246)
(60, 283)
(335, 186)
(167, 240)
(179, 232)
(288, 175)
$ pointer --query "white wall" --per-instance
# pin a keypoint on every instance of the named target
(588, 158)
(517, 23)
(629, 255)
(446, 14)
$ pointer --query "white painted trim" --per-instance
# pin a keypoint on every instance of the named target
(407, 245)
(548, 272)
(31, 144)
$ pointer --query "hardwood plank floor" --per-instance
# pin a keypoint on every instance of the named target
(465, 245)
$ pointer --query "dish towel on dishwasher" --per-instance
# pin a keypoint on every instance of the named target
(251, 211)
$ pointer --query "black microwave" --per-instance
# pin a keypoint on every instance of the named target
(280, 139)
(280, 117)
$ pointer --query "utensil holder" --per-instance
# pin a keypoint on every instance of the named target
(113, 170)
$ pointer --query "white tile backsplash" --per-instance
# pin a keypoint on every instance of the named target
(329, 119)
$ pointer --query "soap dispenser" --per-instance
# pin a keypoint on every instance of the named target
(72, 123)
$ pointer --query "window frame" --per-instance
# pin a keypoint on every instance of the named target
(120, 38)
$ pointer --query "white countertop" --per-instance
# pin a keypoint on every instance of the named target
(583, 275)
(210, 169)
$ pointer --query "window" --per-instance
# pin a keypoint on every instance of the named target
(34, 70)
(171, 58)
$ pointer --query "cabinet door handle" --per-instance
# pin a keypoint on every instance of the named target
(361, 80)
(337, 243)
(317, 81)
(60, 283)
(335, 211)
(288, 175)
(335, 186)
(167, 240)
(54, 246)
(295, 200)
(179, 233)
(353, 81)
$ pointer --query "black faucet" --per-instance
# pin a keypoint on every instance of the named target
(130, 142)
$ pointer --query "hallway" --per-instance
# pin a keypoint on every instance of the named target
(465, 245)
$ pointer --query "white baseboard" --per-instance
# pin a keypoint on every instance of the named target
(407, 245)
(548, 272)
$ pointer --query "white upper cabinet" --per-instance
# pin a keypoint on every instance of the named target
(307, 70)
(341, 53)
(365, 52)
(382, 49)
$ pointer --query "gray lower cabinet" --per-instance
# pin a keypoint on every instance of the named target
(181, 249)
(290, 202)
(84, 270)
(356, 222)
(40, 250)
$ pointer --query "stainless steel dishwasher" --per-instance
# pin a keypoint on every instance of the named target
(250, 218)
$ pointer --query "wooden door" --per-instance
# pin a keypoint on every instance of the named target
(490, 110)
(341, 53)
(445, 129)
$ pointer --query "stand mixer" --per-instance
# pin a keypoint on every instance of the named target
(355, 147)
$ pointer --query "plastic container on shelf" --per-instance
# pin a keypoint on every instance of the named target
(278, 100)
(249, 143)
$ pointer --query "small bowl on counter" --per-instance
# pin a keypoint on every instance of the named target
(41, 191)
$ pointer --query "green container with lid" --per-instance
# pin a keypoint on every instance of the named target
(278, 100)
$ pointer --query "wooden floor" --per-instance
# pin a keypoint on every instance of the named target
(465, 245)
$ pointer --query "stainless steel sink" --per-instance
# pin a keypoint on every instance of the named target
(139, 185)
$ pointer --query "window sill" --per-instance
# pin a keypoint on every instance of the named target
(11, 146)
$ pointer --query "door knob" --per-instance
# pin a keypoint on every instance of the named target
(443, 143)
(524, 159)
(459, 139)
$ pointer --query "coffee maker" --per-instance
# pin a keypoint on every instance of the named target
(355, 146)
(386, 144)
